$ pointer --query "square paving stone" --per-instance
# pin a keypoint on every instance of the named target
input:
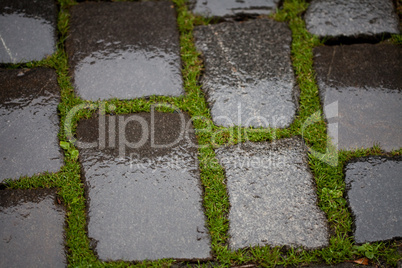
(31, 229)
(374, 194)
(248, 78)
(272, 196)
(351, 18)
(27, 30)
(143, 187)
(221, 8)
(361, 89)
(124, 50)
(29, 123)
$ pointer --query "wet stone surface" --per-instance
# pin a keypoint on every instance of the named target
(375, 198)
(361, 89)
(31, 229)
(29, 123)
(272, 196)
(27, 30)
(221, 8)
(124, 50)
(351, 18)
(145, 197)
(248, 77)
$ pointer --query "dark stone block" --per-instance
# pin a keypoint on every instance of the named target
(351, 18)
(143, 187)
(248, 78)
(27, 30)
(361, 90)
(29, 123)
(374, 195)
(124, 50)
(272, 196)
(31, 229)
(221, 8)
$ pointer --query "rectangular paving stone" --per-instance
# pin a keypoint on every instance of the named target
(361, 89)
(351, 18)
(27, 30)
(374, 194)
(31, 229)
(248, 78)
(124, 50)
(221, 8)
(272, 196)
(29, 123)
(143, 187)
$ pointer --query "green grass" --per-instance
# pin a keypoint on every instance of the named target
(329, 179)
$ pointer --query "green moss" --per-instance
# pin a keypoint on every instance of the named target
(329, 179)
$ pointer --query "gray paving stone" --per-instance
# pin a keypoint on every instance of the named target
(375, 198)
(248, 77)
(27, 30)
(145, 201)
(351, 18)
(361, 89)
(272, 196)
(31, 229)
(124, 50)
(221, 8)
(29, 123)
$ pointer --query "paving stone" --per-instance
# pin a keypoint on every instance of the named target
(29, 123)
(124, 50)
(31, 229)
(221, 8)
(272, 196)
(361, 89)
(248, 77)
(351, 18)
(375, 198)
(144, 200)
(27, 30)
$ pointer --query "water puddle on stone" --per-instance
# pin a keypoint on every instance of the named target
(25, 38)
(31, 229)
(128, 73)
(29, 123)
(351, 18)
(365, 116)
(374, 194)
(220, 8)
(143, 187)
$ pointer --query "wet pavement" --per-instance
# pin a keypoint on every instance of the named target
(361, 91)
(248, 77)
(272, 196)
(27, 30)
(145, 200)
(138, 55)
(29, 123)
(222, 8)
(31, 229)
(351, 18)
(374, 195)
